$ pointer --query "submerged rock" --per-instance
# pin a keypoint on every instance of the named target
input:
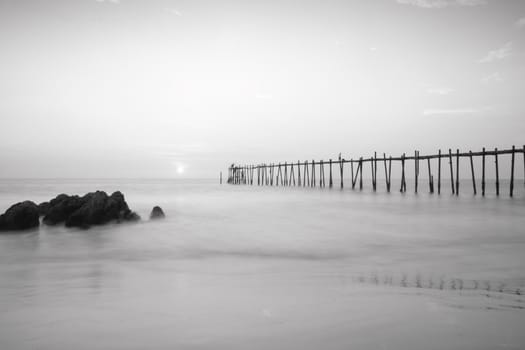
(156, 213)
(20, 216)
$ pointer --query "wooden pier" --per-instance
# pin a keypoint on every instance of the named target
(312, 173)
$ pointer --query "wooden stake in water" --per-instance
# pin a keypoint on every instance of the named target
(472, 171)
(457, 172)
(497, 171)
(298, 174)
(512, 171)
(451, 170)
(361, 173)
(306, 174)
(341, 168)
(403, 182)
(416, 169)
(483, 172)
(352, 171)
(330, 183)
(430, 178)
(386, 174)
(313, 173)
(439, 172)
(373, 171)
(389, 173)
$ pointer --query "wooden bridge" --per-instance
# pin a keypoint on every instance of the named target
(313, 172)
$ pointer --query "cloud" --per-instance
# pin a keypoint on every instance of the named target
(440, 91)
(492, 78)
(437, 4)
(116, 2)
(520, 23)
(458, 111)
(175, 12)
(498, 54)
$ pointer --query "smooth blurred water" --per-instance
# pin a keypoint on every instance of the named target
(247, 267)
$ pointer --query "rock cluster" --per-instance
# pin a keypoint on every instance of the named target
(95, 208)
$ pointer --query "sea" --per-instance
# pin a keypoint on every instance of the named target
(253, 267)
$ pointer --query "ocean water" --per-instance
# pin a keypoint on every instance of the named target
(247, 267)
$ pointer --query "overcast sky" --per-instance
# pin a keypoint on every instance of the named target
(158, 88)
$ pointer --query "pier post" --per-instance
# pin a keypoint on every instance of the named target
(457, 172)
(341, 168)
(416, 170)
(375, 171)
(360, 173)
(372, 169)
(483, 172)
(292, 175)
(389, 173)
(352, 171)
(439, 172)
(472, 171)
(451, 170)
(430, 178)
(386, 174)
(512, 171)
(285, 174)
(330, 183)
(497, 170)
(403, 183)
(313, 174)
(306, 179)
(298, 174)
(321, 173)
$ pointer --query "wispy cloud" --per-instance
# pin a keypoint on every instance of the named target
(440, 91)
(437, 4)
(498, 54)
(116, 2)
(520, 23)
(175, 12)
(456, 111)
(492, 78)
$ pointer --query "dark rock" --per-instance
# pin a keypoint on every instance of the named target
(131, 216)
(61, 207)
(98, 208)
(43, 208)
(157, 213)
(20, 216)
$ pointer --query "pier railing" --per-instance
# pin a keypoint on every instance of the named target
(313, 172)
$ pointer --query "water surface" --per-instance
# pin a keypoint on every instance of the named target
(238, 267)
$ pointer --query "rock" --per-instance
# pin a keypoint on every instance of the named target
(98, 208)
(61, 207)
(156, 213)
(20, 216)
(95, 208)
(43, 208)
